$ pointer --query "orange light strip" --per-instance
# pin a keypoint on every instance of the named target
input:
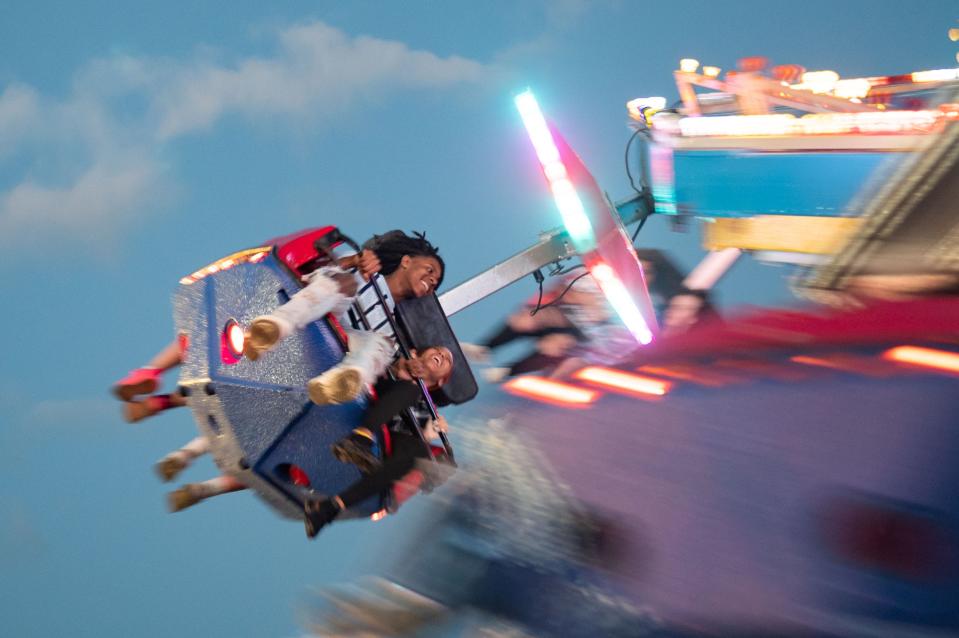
(623, 381)
(686, 373)
(761, 368)
(925, 357)
(815, 361)
(252, 255)
(378, 516)
(845, 362)
(938, 75)
(551, 391)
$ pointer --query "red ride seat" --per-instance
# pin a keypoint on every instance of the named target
(298, 250)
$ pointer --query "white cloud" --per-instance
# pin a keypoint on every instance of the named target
(91, 207)
(89, 159)
(317, 71)
(19, 109)
(558, 18)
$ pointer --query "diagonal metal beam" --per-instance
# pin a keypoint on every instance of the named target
(553, 246)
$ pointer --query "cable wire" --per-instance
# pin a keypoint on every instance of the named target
(557, 299)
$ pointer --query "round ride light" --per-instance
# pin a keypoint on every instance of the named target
(234, 337)
(231, 342)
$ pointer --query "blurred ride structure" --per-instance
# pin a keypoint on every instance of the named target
(782, 473)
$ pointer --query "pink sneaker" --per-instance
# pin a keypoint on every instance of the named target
(139, 381)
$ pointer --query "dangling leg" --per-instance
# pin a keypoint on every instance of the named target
(519, 325)
(320, 512)
(137, 410)
(359, 448)
(146, 380)
(192, 493)
(369, 356)
(327, 290)
(175, 462)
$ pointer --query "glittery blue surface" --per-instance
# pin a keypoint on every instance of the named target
(263, 417)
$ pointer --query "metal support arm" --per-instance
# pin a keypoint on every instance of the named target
(553, 246)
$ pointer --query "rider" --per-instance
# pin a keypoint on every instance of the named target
(393, 397)
(433, 365)
(410, 267)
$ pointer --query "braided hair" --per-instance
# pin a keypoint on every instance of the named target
(393, 245)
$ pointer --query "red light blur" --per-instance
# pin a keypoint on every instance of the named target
(626, 382)
(941, 360)
(231, 342)
(691, 374)
(183, 344)
(788, 72)
(843, 362)
(752, 64)
(550, 391)
(235, 338)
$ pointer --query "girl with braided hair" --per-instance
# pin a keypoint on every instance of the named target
(392, 246)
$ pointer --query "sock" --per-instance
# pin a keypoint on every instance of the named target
(158, 402)
(197, 447)
(217, 486)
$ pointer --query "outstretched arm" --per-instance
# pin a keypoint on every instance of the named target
(366, 262)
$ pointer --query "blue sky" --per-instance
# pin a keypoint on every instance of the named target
(139, 143)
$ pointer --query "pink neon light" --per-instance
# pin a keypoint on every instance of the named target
(569, 204)
(622, 302)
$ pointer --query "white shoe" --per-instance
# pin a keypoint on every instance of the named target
(495, 375)
(339, 384)
(170, 466)
(475, 352)
(184, 497)
(264, 333)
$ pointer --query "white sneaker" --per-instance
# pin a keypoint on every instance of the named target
(337, 385)
(475, 352)
(264, 333)
(184, 497)
(495, 375)
(170, 466)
